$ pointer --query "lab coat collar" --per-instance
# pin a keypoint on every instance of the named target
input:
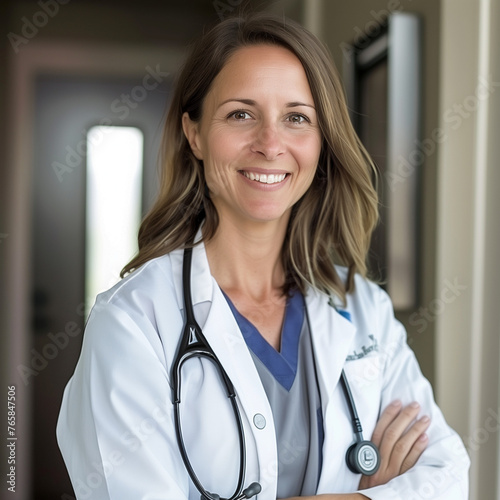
(202, 290)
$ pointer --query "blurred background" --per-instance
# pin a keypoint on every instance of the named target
(84, 88)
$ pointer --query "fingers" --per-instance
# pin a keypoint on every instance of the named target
(387, 417)
(396, 444)
(401, 440)
(416, 450)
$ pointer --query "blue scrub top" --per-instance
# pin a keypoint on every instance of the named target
(290, 382)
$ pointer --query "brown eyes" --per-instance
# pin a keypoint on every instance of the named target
(295, 118)
(239, 115)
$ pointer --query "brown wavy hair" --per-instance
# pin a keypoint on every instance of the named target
(331, 224)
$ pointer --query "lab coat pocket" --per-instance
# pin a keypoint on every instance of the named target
(365, 373)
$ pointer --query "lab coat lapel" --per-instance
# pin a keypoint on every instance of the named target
(332, 336)
(225, 338)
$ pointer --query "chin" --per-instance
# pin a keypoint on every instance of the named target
(269, 216)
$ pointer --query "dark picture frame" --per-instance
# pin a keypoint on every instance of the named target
(382, 78)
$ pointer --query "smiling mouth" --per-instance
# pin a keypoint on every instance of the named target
(264, 178)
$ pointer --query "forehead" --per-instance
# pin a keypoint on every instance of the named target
(260, 67)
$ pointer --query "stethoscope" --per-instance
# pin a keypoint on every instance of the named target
(362, 457)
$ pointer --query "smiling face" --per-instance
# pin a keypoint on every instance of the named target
(258, 136)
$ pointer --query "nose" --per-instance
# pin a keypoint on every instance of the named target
(268, 142)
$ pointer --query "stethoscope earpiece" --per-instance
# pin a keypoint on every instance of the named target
(363, 458)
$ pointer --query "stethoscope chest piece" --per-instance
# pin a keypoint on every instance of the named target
(363, 458)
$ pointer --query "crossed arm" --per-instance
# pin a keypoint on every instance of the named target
(400, 439)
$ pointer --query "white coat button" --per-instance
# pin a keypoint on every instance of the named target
(259, 421)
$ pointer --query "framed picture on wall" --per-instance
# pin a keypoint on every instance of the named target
(382, 78)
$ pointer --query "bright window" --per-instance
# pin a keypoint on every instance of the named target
(114, 187)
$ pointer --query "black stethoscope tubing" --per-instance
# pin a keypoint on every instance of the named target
(194, 344)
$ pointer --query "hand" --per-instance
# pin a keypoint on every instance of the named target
(399, 450)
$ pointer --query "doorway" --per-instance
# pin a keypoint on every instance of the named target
(65, 108)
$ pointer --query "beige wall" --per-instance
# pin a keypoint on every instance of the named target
(468, 246)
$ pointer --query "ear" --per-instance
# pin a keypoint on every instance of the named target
(191, 132)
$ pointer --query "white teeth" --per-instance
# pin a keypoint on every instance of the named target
(265, 179)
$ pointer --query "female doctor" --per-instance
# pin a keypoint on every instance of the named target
(265, 180)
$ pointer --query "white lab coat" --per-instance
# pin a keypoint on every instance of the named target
(116, 431)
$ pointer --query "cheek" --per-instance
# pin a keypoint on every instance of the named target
(221, 148)
(219, 153)
(307, 150)
(216, 178)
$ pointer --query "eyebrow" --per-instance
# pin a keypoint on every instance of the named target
(295, 104)
(251, 102)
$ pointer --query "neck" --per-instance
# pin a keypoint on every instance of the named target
(247, 259)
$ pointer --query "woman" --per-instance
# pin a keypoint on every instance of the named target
(265, 178)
